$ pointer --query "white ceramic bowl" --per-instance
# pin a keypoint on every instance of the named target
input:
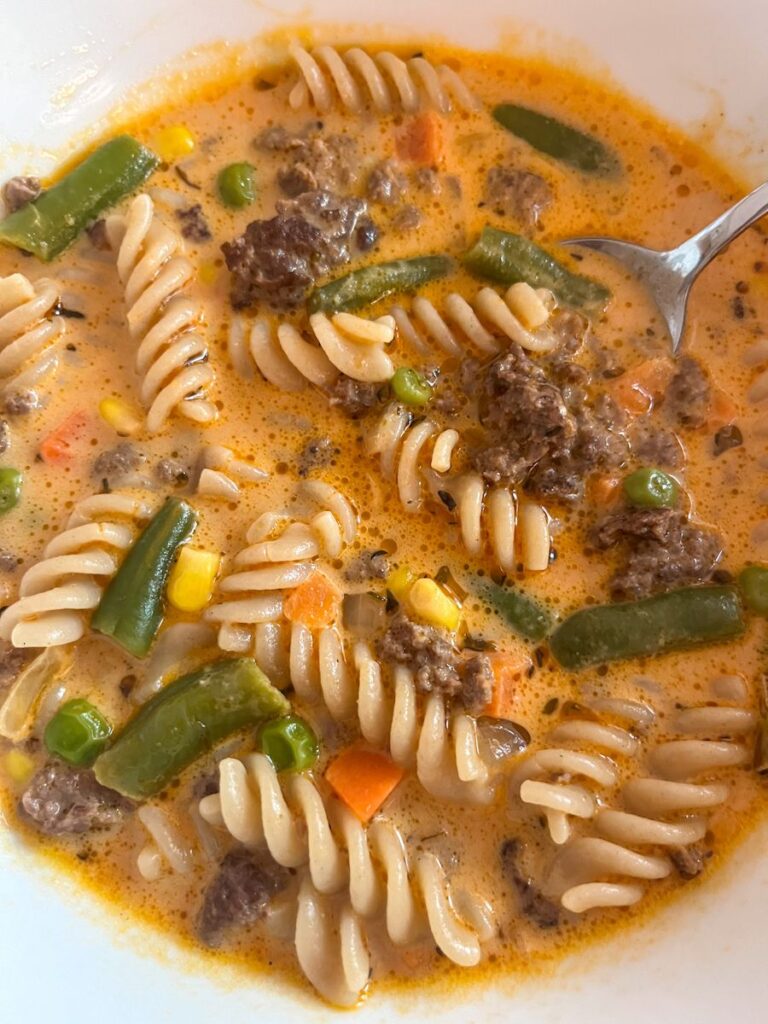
(63, 65)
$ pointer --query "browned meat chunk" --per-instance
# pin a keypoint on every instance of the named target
(278, 259)
(428, 180)
(315, 162)
(477, 683)
(5, 436)
(690, 861)
(689, 394)
(663, 550)
(8, 563)
(97, 235)
(428, 652)
(387, 184)
(512, 192)
(194, 226)
(726, 438)
(355, 398)
(657, 447)
(62, 799)
(171, 471)
(240, 893)
(12, 661)
(533, 903)
(19, 403)
(407, 219)
(117, 462)
(369, 565)
(315, 454)
(20, 191)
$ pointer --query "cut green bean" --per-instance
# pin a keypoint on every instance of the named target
(289, 743)
(184, 721)
(410, 387)
(369, 284)
(635, 629)
(77, 733)
(651, 488)
(753, 582)
(133, 604)
(10, 489)
(525, 616)
(236, 186)
(556, 139)
(47, 226)
(508, 258)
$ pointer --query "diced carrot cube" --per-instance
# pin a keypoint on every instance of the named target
(723, 410)
(637, 389)
(363, 779)
(315, 603)
(604, 489)
(508, 668)
(420, 140)
(60, 446)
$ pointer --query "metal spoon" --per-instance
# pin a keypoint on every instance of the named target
(669, 275)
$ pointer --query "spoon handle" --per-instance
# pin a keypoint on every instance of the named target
(707, 243)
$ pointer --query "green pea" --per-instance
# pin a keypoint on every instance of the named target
(236, 186)
(651, 488)
(10, 489)
(410, 387)
(289, 743)
(754, 586)
(77, 733)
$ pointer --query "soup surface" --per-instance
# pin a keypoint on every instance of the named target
(226, 475)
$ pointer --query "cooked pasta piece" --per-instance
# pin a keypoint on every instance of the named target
(667, 809)
(271, 565)
(167, 845)
(520, 315)
(356, 80)
(346, 344)
(301, 827)
(172, 357)
(583, 749)
(30, 333)
(56, 594)
(222, 473)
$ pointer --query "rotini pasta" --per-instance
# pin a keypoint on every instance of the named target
(30, 333)
(271, 565)
(166, 845)
(415, 901)
(222, 473)
(356, 80)
(172, 357)
(57, 593)
(585, 872)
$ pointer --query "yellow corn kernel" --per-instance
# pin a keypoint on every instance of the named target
(192, 579)
(18, 766)
(173, 142)
(432, 604)
(207, 273)
(400, 581)
(124, 418)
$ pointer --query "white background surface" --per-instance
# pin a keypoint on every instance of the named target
(63, 64)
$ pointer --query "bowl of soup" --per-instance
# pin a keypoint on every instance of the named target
(383, 616)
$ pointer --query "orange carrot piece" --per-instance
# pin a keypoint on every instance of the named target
(315, 603)
(636, 390)
(604, 489)
(508, 668)
(421, 139)
(59, 447)
(722, 411)
(363, 779)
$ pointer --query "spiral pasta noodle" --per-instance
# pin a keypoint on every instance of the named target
(583, 749)
(166, 845)
(346, 344)
(521, 315)
(271, 565)
(341, 854)
(172, 357)
(356, 80)
(415, 453)
(56, 594)
(30, 332)
(667, 809)
(222, 473)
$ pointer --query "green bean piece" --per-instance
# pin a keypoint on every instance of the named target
(10, 489)
(635, 629)
(508, 258)
(47, 226)
(651, 488)
(132, 607)
(77, 733)
(289, 743)
(526, 616)
(184, 721)
(753, 581)
(410, 387)
(236, 186)
(556, 139)
(369, 284)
